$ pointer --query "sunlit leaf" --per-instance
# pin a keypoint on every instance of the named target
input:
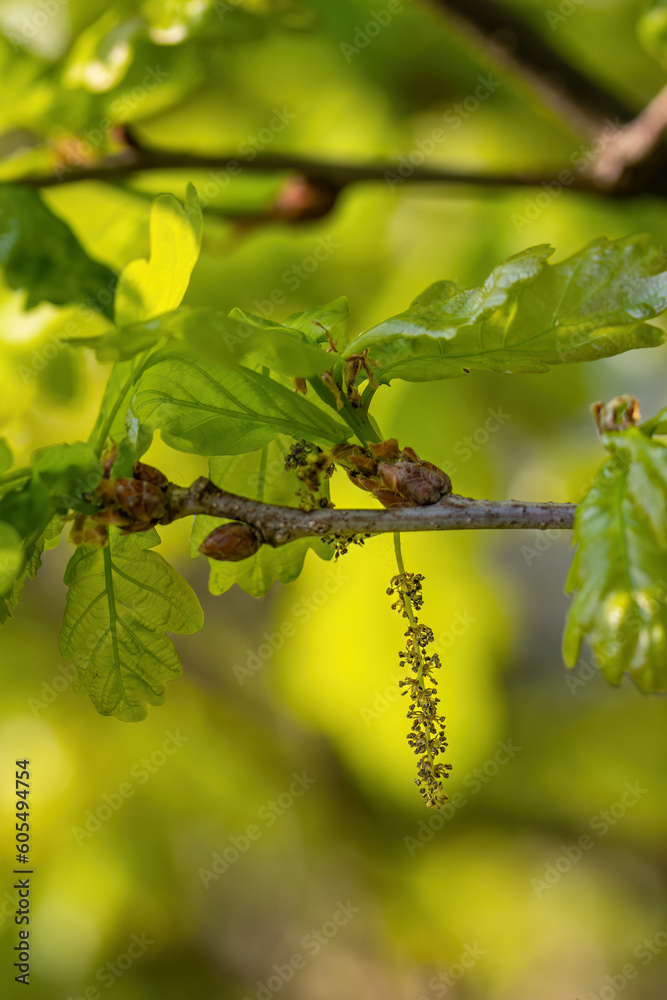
(147, 288)
(275, 345)
(324, 322)
(527, 315)
(210, 410)
(122, 601)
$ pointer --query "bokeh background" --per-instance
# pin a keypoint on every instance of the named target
(488, 900)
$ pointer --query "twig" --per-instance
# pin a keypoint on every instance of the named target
(337, 175)
(277, 525)
(511, 44)
(636, 149)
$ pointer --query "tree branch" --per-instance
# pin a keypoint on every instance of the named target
(276, 525)
(313, 186)
(510, 43)
(637, 151)
(333, 174)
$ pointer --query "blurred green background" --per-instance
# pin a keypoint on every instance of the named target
(226, 875)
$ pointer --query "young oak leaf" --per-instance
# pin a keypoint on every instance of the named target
(527, 315)
(122, 601)
(278, 346)
(323, 322)
(206, 409)
(147, 288)
(619, 572)
(32, 550)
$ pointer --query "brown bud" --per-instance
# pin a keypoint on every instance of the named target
(231, 542)
(148, 474)
(418, 484)
(141, 500)
(388, 451)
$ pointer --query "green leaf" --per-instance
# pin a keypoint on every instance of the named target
(41, 254)
(619, 573)
(652, 30)
(34, 504)
(147, 288)
(213, 336)
(122, 601)
(11, 557)
(209, 410)
(31, 559)
(333, 317)
(102, 53)
(115, 409)
(527, 315)
(64, 471)
(260, 475)
(6, 457)
(282, 349)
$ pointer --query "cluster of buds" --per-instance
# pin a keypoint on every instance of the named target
(134, 504)
(396, 477)
(427, 732)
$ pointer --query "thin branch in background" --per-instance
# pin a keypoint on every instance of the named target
(639, 148)
(508, 42)
(631, 163)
